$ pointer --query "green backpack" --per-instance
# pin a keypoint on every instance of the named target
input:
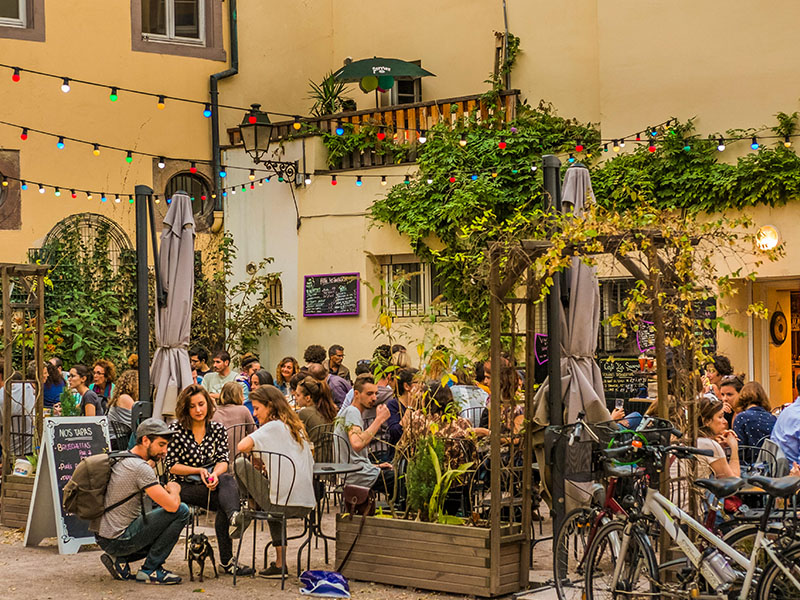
(85, 493)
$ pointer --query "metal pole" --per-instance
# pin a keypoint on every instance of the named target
(552, 183)
(143, 194)
(161, 297)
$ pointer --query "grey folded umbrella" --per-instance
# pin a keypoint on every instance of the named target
(171, 370)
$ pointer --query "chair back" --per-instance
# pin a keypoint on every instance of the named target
(21, 435)
(473, 415)
(333, 448)
(318, 437)
(772, 455)
(267, 478)
(236, 433)
(120, 435)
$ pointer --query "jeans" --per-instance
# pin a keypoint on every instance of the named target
(224, 501)
(152, 539)
(385, 482)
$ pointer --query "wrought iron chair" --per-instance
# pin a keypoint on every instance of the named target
(268, 479)
(120, 435)
(236, 433)
(473, 415)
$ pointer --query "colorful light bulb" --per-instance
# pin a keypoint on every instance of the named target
(463, 141)
(422, 137)
(381, 136)
(787, 143)
(15, 75)
(307, 179)
(297, 124)
(502, 144)
(222, 172)
(252, 175)
(339, 129)
(407, 179)
(754, 143)
(207, 110)
(129, 157)
(65, 85)
(41, 189)
(113, 95)
(721, 144)
(60, 143)
(24, 135)
(161, 162)
(333, 180)
(383, 180)
(73, 194)
(579, 147)
(96, 149)
(571, 158)
(117, 199)
(193, 168)
(57, 192)
(474, 177)
(451, 179)
(359, 183)
(161, 103)
(23, 184)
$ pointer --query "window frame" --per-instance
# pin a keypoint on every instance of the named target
(612, 290)
(202, 204)
(211, 46)
(425, 273)
(170, 37)
(22, 21)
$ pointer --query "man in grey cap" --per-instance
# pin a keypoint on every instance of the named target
(126, 534)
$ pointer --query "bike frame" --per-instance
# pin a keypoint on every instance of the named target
(670, 517)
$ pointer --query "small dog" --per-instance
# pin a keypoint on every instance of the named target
(199, 550)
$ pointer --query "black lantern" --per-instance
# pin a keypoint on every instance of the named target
(256, 130)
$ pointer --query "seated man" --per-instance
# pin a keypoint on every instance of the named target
(350, 426)
(126, 534)
(786, 432)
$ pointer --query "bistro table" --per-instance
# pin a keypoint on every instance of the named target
(321, 469)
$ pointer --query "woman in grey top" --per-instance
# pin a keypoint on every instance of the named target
(125, 394)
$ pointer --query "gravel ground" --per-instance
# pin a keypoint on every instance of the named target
(40, 573)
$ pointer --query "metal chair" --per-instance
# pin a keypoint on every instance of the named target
(268, 479)
(236, 433)
(21, 439)
(473, 415)
(120, 435)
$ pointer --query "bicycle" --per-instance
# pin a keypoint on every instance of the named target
(621, 562)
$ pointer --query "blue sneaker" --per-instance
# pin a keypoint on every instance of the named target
(118, 569)
(158, 577)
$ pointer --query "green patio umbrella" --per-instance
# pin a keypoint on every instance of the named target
(379, 73)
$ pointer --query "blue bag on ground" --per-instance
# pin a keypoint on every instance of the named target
(326, 584)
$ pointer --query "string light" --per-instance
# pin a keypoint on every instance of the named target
(260, 183)
(333, 180)
(24, 184)
(252, 175)
(161, 163)
(571, 158)
(157, 199)
(129, 157)
(463, 141)
(5, 181)
(533, 167)
(161, 103)
(579, 147)
(407, 180)
(24, 135)
(103, 197)
(65, 85)
(652, 146)
(339, 129)
(73, 194)
(502, 144)
(787, 142)
(422, 137)
(605, 147)
(15, 75)
(117, 198)
(622, 143)
(429, 180)
(721, 144)
(193, 168)
(308, 179)
(113, 95)
(60, 143)
(251, 117)
(130, 199)
(41, 189)
(451, 179)
(474, 177)
(207, 110)
(381, 136)
(252, 185)
(297, 124)
(687, 146)
(616, 146)
(96, 150)
(638, 137)
(243, 188)
(383, 180)
(89, 195)
(222, 172)
(754, 143)
(57, 192)
(359, 183)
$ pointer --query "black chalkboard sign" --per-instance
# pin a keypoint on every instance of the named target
(333, 295)
(66, 441)
(622, 377)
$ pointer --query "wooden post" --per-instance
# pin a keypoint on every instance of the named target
(8, 347)
(661, 367)
(495, 324)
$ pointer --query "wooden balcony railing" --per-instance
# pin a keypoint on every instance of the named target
(404, 120)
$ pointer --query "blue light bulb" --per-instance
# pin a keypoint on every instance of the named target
(207, 111)
(340, 130)
(474, 177)
(223, 172)
(754, 145)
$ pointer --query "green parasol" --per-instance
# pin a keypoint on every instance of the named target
(380, 73)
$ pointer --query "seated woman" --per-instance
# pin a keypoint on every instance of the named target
(281, 432)
(753, 422)
(286, 369)
(316, 407)
(197, 459)
(397, 405)
(91, 404)
(230, 411)
(53, 385)
(512, 411)
(713, 434)
(126, 392)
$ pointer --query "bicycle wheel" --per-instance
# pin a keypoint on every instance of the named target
(569, 552)
(639, 574)
(743, 538)
(775, 584)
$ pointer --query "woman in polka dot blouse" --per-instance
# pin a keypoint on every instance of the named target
(197, 459)
(754, 421)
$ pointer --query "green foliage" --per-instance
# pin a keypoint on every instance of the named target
(507, 194)
(90, 307)
(69, 404)
(362, 140)
(421, 477)
(328, 96)
(444, 480)
(235, 317)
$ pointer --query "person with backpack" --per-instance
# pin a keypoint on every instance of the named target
(126, 533)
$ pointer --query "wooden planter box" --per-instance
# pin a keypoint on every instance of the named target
(16, 500)
(445, 558)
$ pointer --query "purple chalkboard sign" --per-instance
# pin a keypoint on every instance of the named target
(334, 295)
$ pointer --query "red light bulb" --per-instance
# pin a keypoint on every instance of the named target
(381, 136)
(452, 179)
(502, 145)
(333, 180)
(24, 135)
(651, 147)
(15, 76)
(203, 197)
(251, 119)
(193, 168)
(579, 148)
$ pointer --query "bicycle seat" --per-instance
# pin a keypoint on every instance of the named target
(780, 487)
(721, 488)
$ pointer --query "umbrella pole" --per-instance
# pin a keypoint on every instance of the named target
(551, 171)
(145, 409)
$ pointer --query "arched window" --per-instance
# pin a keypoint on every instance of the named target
(193, 184)
(89, 233)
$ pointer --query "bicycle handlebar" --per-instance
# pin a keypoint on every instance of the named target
(613, 453)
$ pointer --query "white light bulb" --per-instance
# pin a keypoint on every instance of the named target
(65, 86)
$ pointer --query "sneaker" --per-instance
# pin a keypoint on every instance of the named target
(239, 523)
(272, 572)
(159, 577)
(241, 570)
(119, 570)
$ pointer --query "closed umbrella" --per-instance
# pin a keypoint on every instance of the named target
(171, 370)
(581, 380)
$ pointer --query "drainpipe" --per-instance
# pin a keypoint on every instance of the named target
(213, 91)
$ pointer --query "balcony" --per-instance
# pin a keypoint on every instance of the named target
(403, 119)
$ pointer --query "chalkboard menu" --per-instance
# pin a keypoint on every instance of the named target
(331, 295)
(66, 441)
(622, 377)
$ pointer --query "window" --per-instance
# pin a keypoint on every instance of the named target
(173, 20)
(13, 13)
(406, 91)
(194, 185)
(3, 189)
(612, 296)
(413, 289)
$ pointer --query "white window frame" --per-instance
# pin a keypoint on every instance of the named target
(415, 309)
(22, 22)
(170, 37)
